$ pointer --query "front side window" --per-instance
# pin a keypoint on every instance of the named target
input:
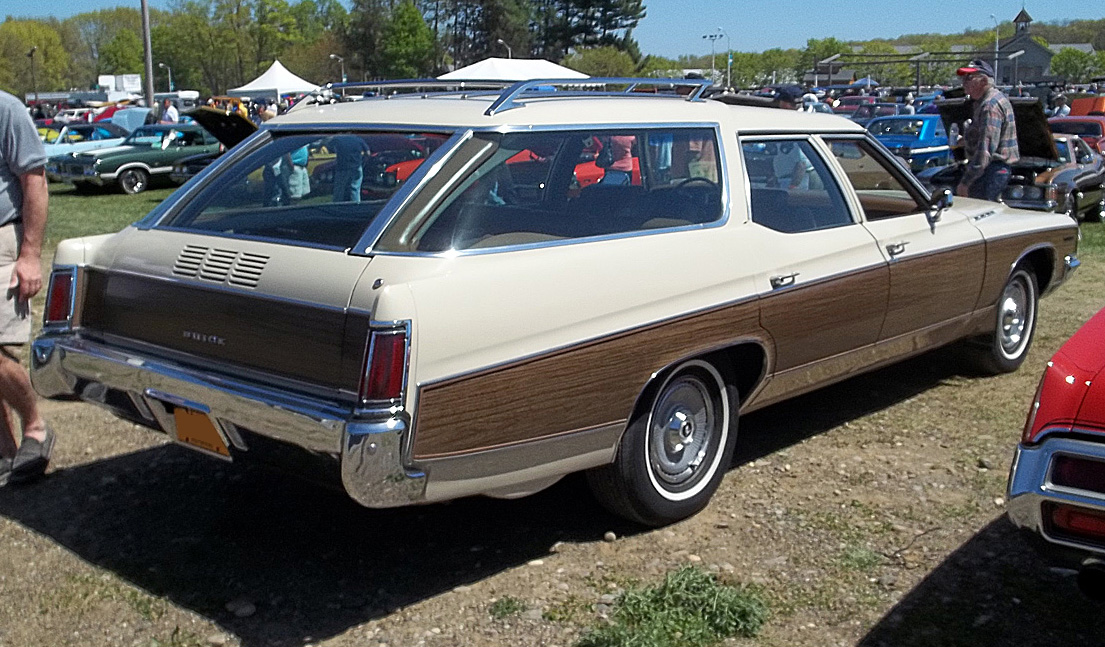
(318, 189)
(791, 188)
(882, 194)
(525, 188)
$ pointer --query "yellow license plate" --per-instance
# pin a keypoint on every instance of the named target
(196, 429)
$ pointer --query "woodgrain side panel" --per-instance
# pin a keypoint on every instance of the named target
(1002, 253)
(577, 388)
(933, 288)
(826, 318)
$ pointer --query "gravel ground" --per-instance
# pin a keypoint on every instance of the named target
(869, 513)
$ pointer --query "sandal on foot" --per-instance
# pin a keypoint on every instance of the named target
(32, 458)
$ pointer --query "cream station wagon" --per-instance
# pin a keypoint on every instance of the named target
(492, 290)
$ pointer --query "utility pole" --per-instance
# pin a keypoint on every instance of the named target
(147, 83)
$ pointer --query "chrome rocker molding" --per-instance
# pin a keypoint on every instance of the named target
(1030, 486)
(370, 448)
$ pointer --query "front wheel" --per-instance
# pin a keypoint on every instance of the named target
(134, 180)
(1097, 214)
(675, 451)
(1015, 324)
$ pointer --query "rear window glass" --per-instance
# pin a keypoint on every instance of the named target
(316, 189)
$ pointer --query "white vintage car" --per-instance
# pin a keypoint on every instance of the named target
(490, 291)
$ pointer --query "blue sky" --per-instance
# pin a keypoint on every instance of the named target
(675, 27)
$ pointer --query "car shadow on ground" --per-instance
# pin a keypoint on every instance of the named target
(779, 426)
(993, 590)
(202, 533)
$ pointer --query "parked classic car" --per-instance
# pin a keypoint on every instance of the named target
(148, 152)
(226, 125)
(76, 137)
(920, 140)
(868, 111)
(1057, 481)
(1055, 173)
(1090, 129)
(847, 105)
(491, 326)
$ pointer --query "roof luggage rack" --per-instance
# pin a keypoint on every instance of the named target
(510, 94)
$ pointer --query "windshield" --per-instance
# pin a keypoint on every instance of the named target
(48, 135)
(149, 135)
(866, 110)
(910, 127)
(319, 189)
(1063, 146)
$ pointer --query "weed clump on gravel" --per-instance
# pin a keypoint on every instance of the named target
(689, 609)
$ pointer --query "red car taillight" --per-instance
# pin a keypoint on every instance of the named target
(385, 367)
(59, 298)
(1076, 522)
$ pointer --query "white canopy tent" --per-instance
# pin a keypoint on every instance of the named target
(512, 69)
(276, 80)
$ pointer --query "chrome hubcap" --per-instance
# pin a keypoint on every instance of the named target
(681, 431)
(1013, 313)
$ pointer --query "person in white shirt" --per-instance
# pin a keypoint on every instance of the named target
(169, 114)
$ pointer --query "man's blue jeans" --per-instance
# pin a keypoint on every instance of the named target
(993, 181)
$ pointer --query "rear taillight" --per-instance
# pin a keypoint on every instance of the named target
(1079, 473)
(1074, 522)
(59, 298)
(385, 367)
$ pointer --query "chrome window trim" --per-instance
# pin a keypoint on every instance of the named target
(723, 184)
(256, 239)
(904, 175)
(401, 198)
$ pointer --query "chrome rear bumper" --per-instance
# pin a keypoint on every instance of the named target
(1030, 486)
(145, 390)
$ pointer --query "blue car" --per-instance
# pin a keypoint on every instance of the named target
(920, 140)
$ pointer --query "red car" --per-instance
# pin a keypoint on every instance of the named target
(1057, 482)
(1090, 128)
(847, 105)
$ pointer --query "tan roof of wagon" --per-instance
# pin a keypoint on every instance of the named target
(469, 112)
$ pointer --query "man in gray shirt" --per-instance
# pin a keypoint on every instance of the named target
(23, 198)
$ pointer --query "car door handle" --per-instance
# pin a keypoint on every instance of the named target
(783, 280)
(894, 249)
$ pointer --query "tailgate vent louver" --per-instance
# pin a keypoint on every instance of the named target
(240, 269)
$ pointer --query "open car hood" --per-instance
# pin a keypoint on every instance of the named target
(1033, 134)
(227, 127)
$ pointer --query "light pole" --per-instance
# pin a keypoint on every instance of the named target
(170, 71)
(713, 68)
(34, 84)
(728, 58)
(997, 78)
(1013, 57)
(335, 57)
(509, 52)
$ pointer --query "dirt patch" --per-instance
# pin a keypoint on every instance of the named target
(867, 513)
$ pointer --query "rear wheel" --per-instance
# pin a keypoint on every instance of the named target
(134, 180)
(1015, 324)
(675, 451)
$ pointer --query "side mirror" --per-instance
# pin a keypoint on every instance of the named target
(939, 200)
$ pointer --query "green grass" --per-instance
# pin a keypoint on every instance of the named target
(507, 605)
(690, 608)
(73, 214)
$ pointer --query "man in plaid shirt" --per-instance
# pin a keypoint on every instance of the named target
(991, 139)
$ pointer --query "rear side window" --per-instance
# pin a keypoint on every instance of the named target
(882, 193)
(317, 189)
(528, 188)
